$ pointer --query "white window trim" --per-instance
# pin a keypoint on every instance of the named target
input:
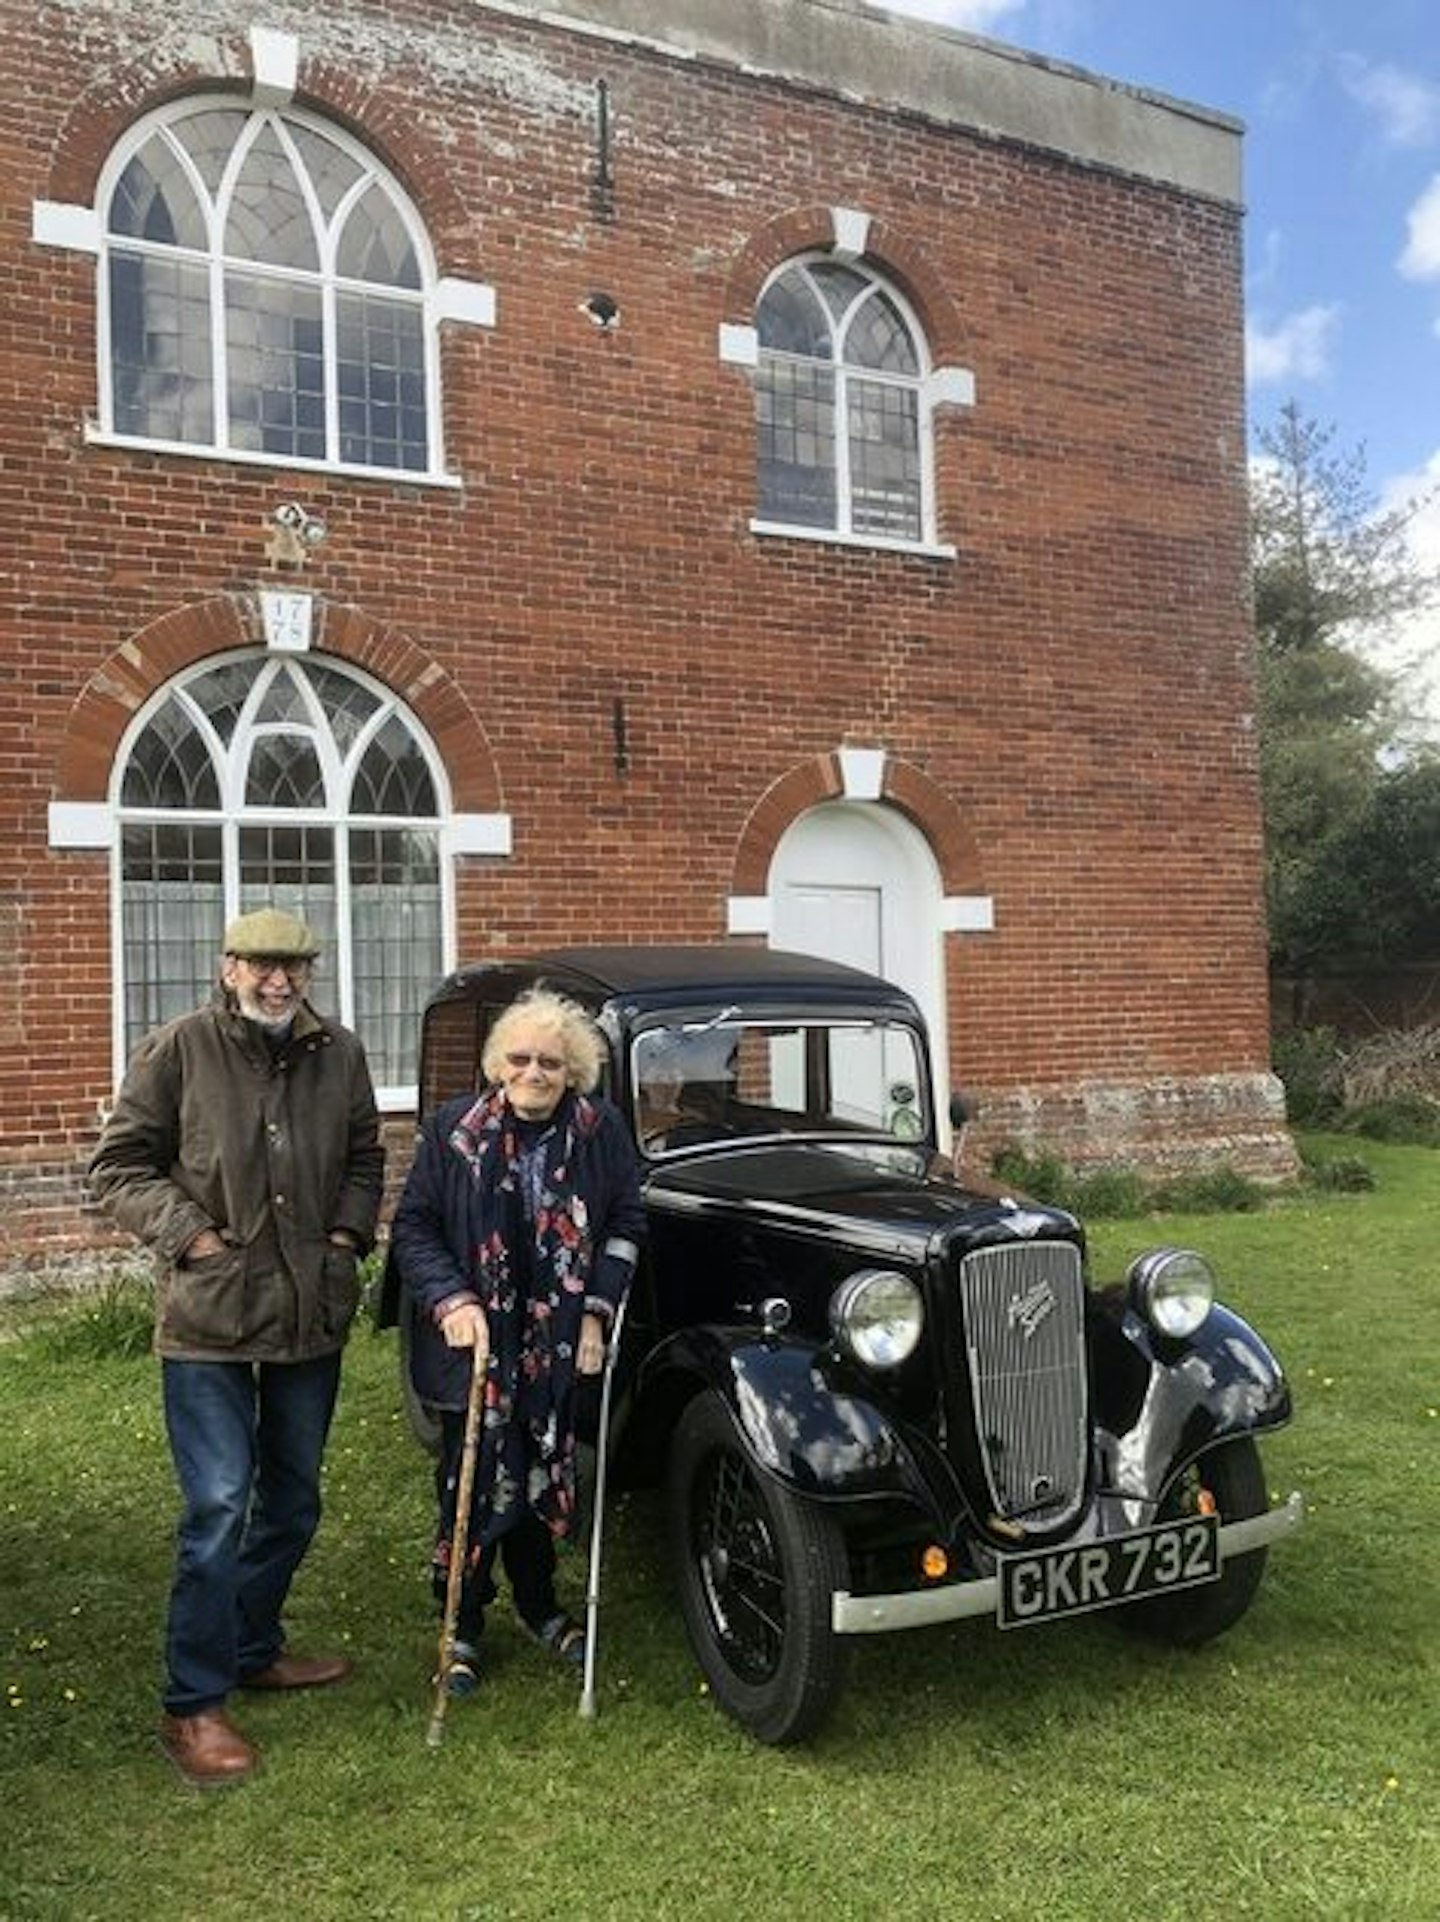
(232, 814)
(55, 223)
(931, 550)
(96, 436)
(950, 387)
(739, 346)
(862, 772)
(471, 301)
(435, 299)
(920, 384)
(80, 824)
(477, 834)
(748, 914)
(274, 66)
(851, 229)
(967, 914)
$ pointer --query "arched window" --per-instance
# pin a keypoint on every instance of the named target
(255, 779)
(843, 433)
(263, 293)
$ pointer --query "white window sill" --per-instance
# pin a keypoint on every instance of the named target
(931, 550)
(193, 450)
(397, 1100)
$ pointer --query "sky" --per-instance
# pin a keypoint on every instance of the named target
(1340, 100)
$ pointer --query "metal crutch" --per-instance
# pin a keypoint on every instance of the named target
(459, 1543)
(597, 1520)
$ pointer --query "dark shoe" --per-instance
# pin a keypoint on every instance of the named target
(462, 1673)
(208, 1749)
(299, 1671)
(563, 1636)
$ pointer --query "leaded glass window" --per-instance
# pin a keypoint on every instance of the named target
(260, 779)
(264, 293)
(841, 427)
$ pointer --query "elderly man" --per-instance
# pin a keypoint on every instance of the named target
(244, 1151)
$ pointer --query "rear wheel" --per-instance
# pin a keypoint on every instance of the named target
(756, 1569)
(1232, 1474)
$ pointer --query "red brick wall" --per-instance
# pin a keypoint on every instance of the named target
(1076, 683)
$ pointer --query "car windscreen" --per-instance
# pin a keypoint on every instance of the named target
(695, 1082)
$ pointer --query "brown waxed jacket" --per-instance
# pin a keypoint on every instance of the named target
(273, 1150)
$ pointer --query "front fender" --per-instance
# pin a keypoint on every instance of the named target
(821, 1440)
(1159, 1403)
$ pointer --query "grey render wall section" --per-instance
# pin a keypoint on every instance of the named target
(955, 79)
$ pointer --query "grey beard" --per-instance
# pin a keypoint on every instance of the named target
(274, 1030)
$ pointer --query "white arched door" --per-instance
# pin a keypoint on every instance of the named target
(854, 881)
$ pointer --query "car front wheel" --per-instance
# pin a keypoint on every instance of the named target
(1233, 1476)
(756, 1568)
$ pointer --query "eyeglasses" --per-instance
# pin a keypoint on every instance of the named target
(296, 966)
(548, 1063)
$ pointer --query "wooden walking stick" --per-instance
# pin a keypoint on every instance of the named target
(459, 1543)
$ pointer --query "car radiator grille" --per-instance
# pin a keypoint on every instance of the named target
(1024, 1321)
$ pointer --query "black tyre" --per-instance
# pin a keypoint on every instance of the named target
(756, 1568)
(1233, 1475)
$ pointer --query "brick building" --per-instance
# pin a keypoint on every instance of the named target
(495, 474)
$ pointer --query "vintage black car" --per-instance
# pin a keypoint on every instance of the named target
(879, 1395)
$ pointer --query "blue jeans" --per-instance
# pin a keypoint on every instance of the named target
(247, 1441)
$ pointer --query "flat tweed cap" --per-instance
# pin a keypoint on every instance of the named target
(271, 931)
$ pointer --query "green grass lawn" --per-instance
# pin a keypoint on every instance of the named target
(1286, 1771)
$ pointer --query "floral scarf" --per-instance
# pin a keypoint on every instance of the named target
(531, 1262)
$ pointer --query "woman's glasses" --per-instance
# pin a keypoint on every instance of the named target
(548, 1063)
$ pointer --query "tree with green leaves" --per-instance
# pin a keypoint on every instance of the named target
(1348, 793)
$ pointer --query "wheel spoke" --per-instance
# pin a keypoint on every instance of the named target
(756, 1571)
(771, 1625)
(741, 1575)
(728, 1496)
(757, 1568)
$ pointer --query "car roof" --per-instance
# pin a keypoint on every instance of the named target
(679, 974)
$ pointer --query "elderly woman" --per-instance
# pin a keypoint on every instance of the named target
(515, 1241)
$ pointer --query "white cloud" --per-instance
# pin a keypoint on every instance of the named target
(1407, 107)
(1299, 348)
(1421, 258)
(972, 16)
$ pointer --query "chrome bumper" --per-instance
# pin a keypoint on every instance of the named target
(920, 1608)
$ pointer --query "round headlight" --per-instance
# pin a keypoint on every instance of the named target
(1174, 1289)
(877, 1316)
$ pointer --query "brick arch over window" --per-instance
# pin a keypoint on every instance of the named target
(102, 115)
(141, 666)
(887, 247)
(904, 786)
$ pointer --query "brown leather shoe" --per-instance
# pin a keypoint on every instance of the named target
(208, 1749)
(299, 1671)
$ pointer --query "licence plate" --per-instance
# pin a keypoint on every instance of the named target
(1068, 1581)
